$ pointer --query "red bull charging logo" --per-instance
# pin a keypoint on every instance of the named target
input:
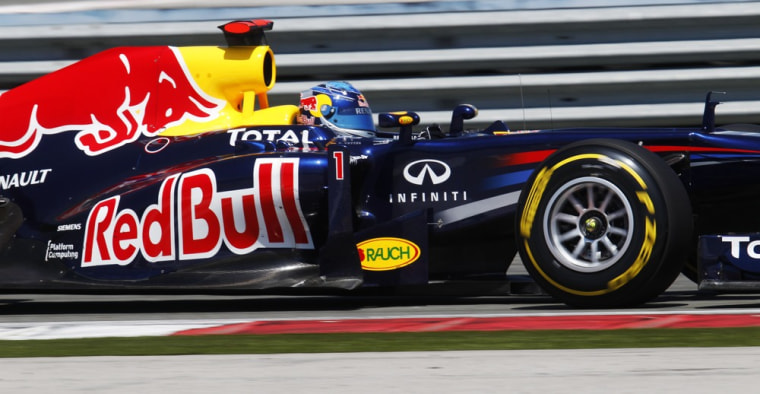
(109, 99)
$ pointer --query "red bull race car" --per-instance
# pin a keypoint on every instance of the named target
(165, 169)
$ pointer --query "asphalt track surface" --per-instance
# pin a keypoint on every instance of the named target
(670, 370)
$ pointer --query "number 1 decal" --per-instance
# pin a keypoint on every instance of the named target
(339, 157)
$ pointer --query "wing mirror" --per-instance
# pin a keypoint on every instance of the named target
(403, 120)
(459, 115)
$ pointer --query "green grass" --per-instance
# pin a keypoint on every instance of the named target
(324, 343)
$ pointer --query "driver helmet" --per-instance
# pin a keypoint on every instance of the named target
(338, 106)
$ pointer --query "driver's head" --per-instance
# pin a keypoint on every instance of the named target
(338, 106)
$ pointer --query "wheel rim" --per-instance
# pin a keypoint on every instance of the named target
(588, 225)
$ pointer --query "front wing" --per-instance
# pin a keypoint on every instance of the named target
(729, 262)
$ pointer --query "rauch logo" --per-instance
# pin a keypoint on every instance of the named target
(385, 254)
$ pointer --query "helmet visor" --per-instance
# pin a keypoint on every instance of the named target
(352, 117)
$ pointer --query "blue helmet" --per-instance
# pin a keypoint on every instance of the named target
(338, 106)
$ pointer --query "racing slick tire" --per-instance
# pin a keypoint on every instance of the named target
(604, 223)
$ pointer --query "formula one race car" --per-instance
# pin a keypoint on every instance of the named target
(166, 169)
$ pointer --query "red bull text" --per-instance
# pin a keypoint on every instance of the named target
(267, 215)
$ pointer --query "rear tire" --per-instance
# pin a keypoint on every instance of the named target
(604, 223)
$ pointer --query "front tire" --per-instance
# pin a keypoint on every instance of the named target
(604, 223)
